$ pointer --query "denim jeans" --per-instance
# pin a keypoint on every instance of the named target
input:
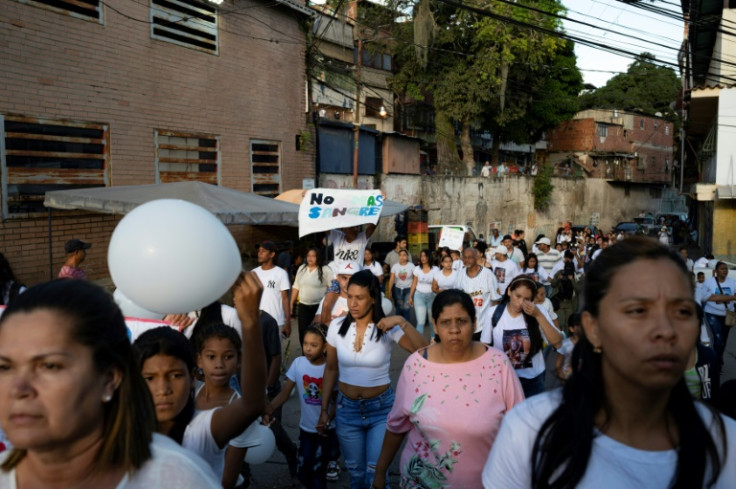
(401, 302)
(717, 325)
(315, 452)
(423, 309)
(361, 424)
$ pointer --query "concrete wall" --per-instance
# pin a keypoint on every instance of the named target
(479, 202)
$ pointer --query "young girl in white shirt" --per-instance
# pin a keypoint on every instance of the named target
(306, 373)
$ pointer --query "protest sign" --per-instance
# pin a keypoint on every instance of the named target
(451, 238)
(324, 209)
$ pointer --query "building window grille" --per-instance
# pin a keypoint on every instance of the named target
(265, 160)
(189, 23)
(184, 156)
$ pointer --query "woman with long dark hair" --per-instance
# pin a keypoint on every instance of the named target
(9, 285)
(310, 286)
(518, 327)
(72, 401)
(625, 418)
(358, 359)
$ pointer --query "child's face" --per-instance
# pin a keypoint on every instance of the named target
(701, 277)
(218, 361)
(314, 346)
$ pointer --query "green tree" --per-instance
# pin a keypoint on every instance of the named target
(481, 71)
(645, 87)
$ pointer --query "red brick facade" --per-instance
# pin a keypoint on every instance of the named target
(616, 146)
(56, 66)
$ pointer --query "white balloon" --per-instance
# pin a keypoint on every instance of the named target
(131, 309)
(386, 305)
(172, 256)
(260, 454)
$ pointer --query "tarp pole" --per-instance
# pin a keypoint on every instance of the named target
(51, 253)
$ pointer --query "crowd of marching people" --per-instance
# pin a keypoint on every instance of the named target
(584, 360)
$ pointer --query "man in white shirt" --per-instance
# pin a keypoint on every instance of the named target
(348, 244)
(688, 262)
(275, 280)
(547, 256)
(513, 252)
(480, 283)
(504, 268)
(485, 172)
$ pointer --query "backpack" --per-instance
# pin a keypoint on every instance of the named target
(497, 313)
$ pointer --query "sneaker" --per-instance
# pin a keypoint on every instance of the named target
(333, 471)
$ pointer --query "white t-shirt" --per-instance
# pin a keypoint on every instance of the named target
(701, 262)
(339, 309)
(445, 282)
(549, 308)
(539, 275)
(710, 287)
(505, 271)
(424, 279)
(612, 465)
(482, 288)
(170, 467)
(375, 268)
(352, 252)
(198, 438)
(511, 336)
(229, 317)
(274, 280)
(311, 289)
(369, 366)
(457, 264)
(403, 275)
(308, 380)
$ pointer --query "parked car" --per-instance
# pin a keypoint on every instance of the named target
(629, 227)
(648, 224)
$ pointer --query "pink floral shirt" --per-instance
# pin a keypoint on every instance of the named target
(452, 413)
(72, 272)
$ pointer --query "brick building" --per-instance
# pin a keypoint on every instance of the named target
(614, 145)
(128, 93)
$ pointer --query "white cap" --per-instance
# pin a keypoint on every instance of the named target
(500, 250)
(543, 241)
(348, 268)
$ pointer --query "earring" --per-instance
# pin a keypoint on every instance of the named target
(107, 398)
(597, 349)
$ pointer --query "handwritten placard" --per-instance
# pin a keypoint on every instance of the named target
(324, 209)
(451, 238)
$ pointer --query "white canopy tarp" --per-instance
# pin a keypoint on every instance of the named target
(230, 206)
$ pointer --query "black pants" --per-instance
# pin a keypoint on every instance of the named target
(305, 316)
(315, 452)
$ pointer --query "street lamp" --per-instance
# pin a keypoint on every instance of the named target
(383, 114)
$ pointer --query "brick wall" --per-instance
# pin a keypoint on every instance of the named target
(60, 67)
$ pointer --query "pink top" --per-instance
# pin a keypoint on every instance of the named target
(72, 272)
(452, 413)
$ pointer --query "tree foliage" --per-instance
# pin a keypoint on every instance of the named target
(645, 87)
(481, 72)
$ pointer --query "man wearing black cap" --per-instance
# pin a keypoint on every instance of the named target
(76, 252)
(275, 280)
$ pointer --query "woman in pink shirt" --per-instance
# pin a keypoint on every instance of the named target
(450, 399)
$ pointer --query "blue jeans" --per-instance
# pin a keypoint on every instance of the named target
(361, 424)
(401, 301)
(423, 309)
(717, 325)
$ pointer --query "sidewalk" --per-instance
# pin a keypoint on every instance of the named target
(274, 473)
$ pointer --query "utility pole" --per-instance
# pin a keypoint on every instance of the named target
(356, 119)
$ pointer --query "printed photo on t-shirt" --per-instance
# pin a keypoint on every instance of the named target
(403, 274)
(534, 276)
(312, 390)
(517, 345)
(500, 275)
